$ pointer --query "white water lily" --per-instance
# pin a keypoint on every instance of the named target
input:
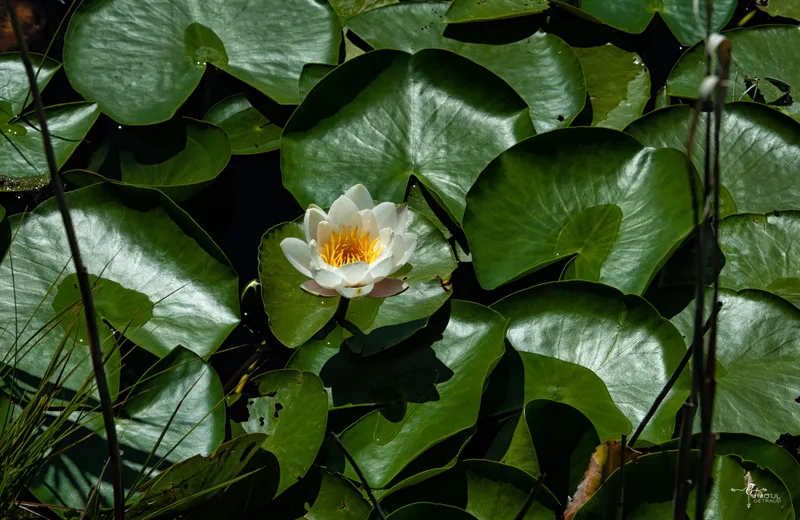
(353, 248)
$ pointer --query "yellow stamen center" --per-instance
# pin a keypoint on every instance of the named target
(348, 245)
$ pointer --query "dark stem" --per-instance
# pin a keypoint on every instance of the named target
(83, 278)
(621, 497)
(531, 497)
(361, 476)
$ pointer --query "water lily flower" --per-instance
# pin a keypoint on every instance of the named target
(353, 248)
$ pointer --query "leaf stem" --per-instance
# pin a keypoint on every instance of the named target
(361, 476)
(531, 497)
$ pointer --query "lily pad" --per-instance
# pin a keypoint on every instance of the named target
(633, 16)
(761, 252)
(248, 130)
(621, 338)
(757, 363)
(312, 74)
(158, 280)
(781, 8)
(430, 511)
(433, 115)
(587, 193)
(143, 74)
(542, 68)
(759, 151)
(756, 66)
(180, 397)
(295, 316)
(21, 149)
(618, 84)
(14, 86)
(347, 8)
(471, 11)
(292, 409)
(429, 386)
(179, 157)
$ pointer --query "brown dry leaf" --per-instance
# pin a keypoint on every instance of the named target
(604, 461)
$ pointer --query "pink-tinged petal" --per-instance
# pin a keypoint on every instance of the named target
(314, 215)
(360, 195)
(353, 273)
(355, 292)
(388, 287)
(296, 251)
(342, 212)
(315, 289)
(327, 279)
(402, 218)
(380, 269)
(386, 215)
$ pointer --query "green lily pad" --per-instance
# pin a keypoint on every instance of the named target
(430, 511)
(249, 131)
(292, 409)
(158, 280)
(759, 151)
(21, 150)
(755, 66)
(782, 8)
(347, 8)
(143, 74)
(179, 156)
(433, 115)
(176, 409)
(429, 387)
(295, 316)
(14, 86)
(633, 16)
(196, 480)
(485, 489)
(618, 84)
(542, 68)
(312, 74)
(758, 353)
(513, 446)
(475, 11)
(621, 338)
(761, 252)
(586, 193)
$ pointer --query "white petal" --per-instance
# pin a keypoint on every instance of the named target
(402, 249)
(386, 215)
(410, 240)
(402, 218)
(324, 230)
(386, 235)
(316, 259)
(297, 253)
(353, 273)
(312, 287)
(342, 211)
(388, 287)
(314, 215)
(381, 268)
(369, 224)
(355, 292)
(360, 195)
(327, 279)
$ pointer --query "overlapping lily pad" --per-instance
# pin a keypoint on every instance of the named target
(14, 87)
(588, 194)
(387, 115)
(757, 68)
(782, 8)
(347, 8)
(472, 11)
(295, 316)
(174, 413)
(759, 151)
(429, 386)
(24, 165)
(249, 131)
(758, 353)
(142, 74)
(158, 280)
(621, 338)
(542, 68)
(618, 84)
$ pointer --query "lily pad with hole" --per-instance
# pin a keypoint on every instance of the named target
(295, 316)
(587, 194)
(249, 131)
(384, 116)
(176, 411)
(757, 372)
(143, 74)
(476, 11)
(756, 69)
(158, 280)
(542, 68)
(24, 164)
(621, 338)
(759, 153)
(14, 87)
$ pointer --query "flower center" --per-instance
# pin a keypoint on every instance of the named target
(348, 245)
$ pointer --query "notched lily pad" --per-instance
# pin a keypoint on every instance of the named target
(248, 130)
